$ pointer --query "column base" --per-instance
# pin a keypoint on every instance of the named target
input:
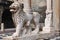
(47, 29)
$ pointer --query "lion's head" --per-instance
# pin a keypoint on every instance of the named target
(14, 7)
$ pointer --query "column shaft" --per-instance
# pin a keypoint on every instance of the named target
(49, 5)
(48, 19)
(27, 5)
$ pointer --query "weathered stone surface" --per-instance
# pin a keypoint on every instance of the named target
(32, 36)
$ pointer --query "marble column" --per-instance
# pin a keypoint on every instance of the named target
(48, 19)
(27, 6)
(56, 16)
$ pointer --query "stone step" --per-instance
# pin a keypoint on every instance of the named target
(30, 36)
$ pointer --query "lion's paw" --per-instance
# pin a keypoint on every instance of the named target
(15, 35)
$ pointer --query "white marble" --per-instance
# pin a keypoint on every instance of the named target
(48, 19)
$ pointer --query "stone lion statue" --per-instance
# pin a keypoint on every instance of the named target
(21, 21)
(18, 17)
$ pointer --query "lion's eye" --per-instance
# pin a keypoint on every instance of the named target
(14, 6)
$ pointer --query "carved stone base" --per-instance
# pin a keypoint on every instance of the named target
(47, 29)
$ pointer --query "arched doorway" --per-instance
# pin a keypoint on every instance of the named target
(7, 19)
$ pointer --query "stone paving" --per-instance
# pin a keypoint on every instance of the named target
(4, 35)
(9, 34)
